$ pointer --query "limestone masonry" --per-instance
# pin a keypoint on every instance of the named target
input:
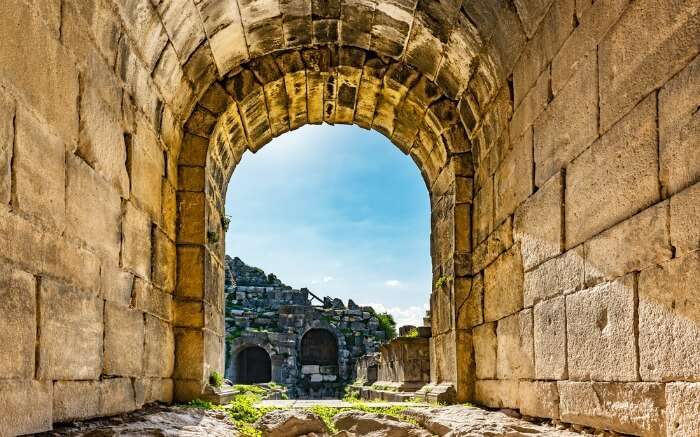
(310, 348)
(559, 142)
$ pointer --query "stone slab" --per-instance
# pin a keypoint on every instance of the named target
(550, 339)
(503, 286)
(26, 406)
(18, 321)
(515, 355)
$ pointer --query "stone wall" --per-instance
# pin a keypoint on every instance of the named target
(262, 311)
(557, 139)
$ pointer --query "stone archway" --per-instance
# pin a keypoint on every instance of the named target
(319, 347)
(253, 366)
(557, 138)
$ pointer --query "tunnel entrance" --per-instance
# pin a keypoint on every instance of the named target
(319, 347)
(253, 366)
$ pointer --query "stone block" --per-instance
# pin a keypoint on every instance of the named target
(75, 400)
(624, 79)
(152, 300)
(633, 408)
(560, 275)
(116, 396)
(485, 347)
(685, 220)
(146, 166)
(189, 355)
(679, 130)
(483, 212)
(635, 244)
(468, 298)
(615, 178)
(497, 393)
(569, 124)
(70, 327)
(159, 349)
(682, 406)
(550, 339)
(308, 369)
(169, 210)
(531, 106)
(316, 377)
(515, 356)
(116, 284)
(52, 92)
(123, 341)
(669, 320)
(93, 209)
(503, 286)
(538, 224)
(538, 399)
(26, 406)
(190, 272)
(600, 332)
(513, 179)
(191, 218)
(7, 139)
(136, 241)
(149, 390)
(39, 192)
(188, 313)
(500, 240)
(101, 138)
(595, 20)
(18, 321)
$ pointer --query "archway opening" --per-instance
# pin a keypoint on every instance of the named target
(319, 347)
(253, 366)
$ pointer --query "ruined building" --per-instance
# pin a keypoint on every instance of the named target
(558, 140)
(276, 334)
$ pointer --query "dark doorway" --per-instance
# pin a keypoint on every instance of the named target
(253, 366)
(320, 347)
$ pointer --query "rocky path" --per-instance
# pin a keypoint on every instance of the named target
(452, 421)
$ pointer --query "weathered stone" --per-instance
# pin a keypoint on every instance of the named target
(531, 106)
(539, 399)
(362, 423)
(223, 25)
(75, 400)
(146, 170)
(615, 178)
(600, 332)
(164, 261)
(538, 224)
(625, 80)
(152, 300)
(563, 274)
(679, 130)
(531, 13)
(515, 347)
(149, 390)
(468, 298)
(93, 209)
(27, 406)
(290, 423)
(70, 333)
(7, 139)
(18, 319)
(123, 341)
(160, 348)
(550, 339)
(513, 179)
(682, 404)
(669, 320)
(503, 286)
(633, 408)
(116, 396)
(685, 220)
(635, 244)
(136, 241)
(485, 348)
(116, 284)
(40, 193)
(569, 125)
(53, 92)
(497, 393)
(500, 240)
(483, 212)
(189, 354)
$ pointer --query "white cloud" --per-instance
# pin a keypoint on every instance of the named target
(412, 315)
(327, 278)
(393, 283)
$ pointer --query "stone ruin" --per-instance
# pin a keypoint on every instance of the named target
(558, 142)
(276, 334)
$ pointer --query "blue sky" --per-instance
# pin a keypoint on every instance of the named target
(337, 209)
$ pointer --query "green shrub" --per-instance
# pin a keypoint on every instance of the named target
(216, 379)
(387, 324)
(442, 281)
(413, 333)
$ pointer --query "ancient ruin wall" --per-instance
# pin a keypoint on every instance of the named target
(558, 140)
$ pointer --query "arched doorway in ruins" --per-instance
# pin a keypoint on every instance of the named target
(253, 366)
(319, 347)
